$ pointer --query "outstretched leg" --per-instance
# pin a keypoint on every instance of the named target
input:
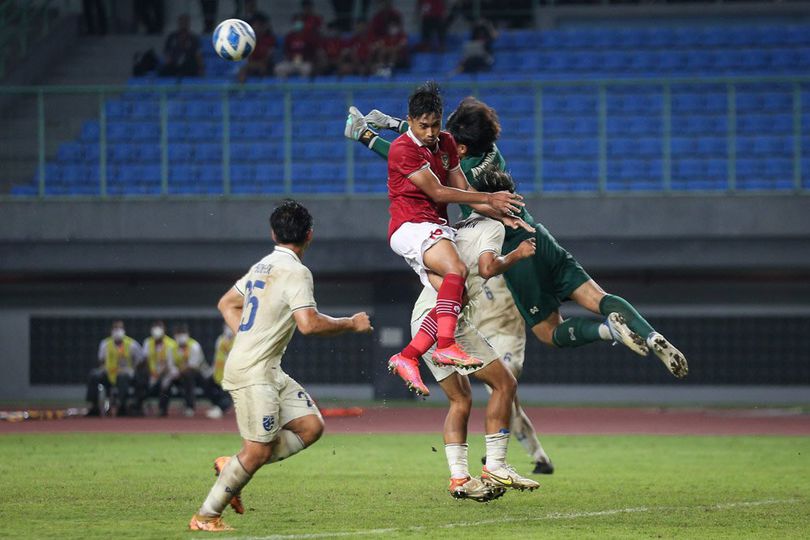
(641, 337)
(497, 472)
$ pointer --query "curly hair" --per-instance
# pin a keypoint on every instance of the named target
(491, 180)
(474, 124)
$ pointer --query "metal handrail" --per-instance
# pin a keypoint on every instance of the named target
(537, 86)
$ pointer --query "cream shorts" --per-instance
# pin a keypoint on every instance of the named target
(263, 409)
(512, 350)
(412, 240)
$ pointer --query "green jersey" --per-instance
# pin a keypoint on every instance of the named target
(472, 166)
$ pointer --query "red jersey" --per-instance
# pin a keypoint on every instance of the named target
(406, 156)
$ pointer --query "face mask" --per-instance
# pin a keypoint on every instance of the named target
(298, 26)
(227, 332)
(157, 332)
(118, 334)
(182, 339)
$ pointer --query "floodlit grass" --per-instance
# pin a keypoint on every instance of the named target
(148, 486)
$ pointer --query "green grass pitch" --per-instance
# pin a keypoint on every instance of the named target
(394, 486)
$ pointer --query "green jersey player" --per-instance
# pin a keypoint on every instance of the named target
(540, 284)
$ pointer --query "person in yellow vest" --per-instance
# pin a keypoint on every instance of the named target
(158, 370)
(117, 357)
(220, 399)
(190, 361)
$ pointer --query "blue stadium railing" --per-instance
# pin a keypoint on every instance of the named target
(158, 138)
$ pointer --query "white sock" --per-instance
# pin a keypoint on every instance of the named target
(230, 482)
(497, 444)
(457, 459)
(286, 444)
(604, 332)
(524, 432)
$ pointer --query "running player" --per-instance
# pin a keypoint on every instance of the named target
(479, 241)
(276, 417)
(552, 276)
(424, 176)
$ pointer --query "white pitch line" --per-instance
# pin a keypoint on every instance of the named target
(497, 521)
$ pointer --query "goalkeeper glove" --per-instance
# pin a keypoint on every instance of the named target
(357, 128)
(380, 120)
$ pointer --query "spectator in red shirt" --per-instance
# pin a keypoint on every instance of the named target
(261, 60)
(433, 14)
(384, 18)
(333, 54)
(392, 50)
(312, 21)
(361, 49)
(299, 53)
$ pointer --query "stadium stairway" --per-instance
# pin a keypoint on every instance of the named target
(93, 60)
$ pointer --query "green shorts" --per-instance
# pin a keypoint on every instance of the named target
(540, 284)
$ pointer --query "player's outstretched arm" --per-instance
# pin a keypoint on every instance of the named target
(358, 129)
(491, 265)
(503, 202)
(230, 305)
(379, 120)
(312, 322)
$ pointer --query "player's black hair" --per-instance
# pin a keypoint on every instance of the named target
(474, 124)
(491, 180)
(426, 99)
(291, 222)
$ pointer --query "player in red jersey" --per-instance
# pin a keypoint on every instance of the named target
(424, 176)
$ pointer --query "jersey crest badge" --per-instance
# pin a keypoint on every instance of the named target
(268, 422)
(445, 161)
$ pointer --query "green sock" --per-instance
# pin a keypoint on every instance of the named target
(616, 304)
(575, 332)
(378, 145)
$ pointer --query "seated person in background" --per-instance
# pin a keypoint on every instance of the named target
(391, 51)
(189, 360)
(332, 52)
(117, 356)
(261, 60)
(299, 53)
(433, 16)
(155, 375)
(312, 22)
(360, 49)
(381, 22)
(220, 399)
(181, 54)
(477, 51)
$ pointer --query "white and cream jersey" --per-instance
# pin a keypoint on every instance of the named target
(273, 288)
(496, 312)
(476, 235)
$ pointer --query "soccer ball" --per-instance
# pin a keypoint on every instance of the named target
(234, 39)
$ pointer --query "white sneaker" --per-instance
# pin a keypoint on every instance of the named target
(214, 413)
(672, 358)
(507, 477)
(621, 333)
(475, 489)
(189, 412)
(355, 124)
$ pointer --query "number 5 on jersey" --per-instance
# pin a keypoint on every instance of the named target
(251, 305)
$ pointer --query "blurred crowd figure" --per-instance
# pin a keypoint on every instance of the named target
(377, 47)
(366, 38)
(130, 370)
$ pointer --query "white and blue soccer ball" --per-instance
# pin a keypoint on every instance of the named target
(234, 39)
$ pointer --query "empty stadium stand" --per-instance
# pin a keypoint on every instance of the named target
(595, 110)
